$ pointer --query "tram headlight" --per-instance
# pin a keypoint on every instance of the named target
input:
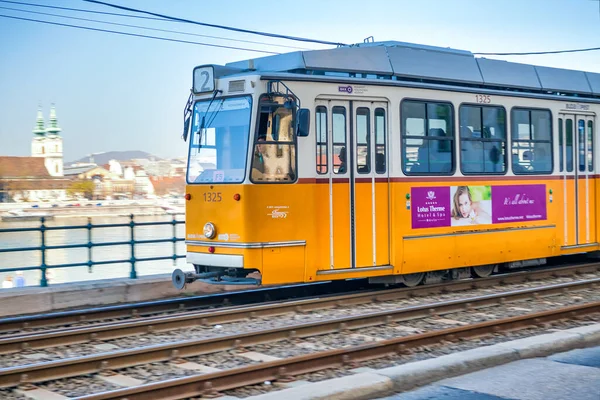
(209, 230)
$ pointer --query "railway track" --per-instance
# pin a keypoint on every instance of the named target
(154, 324)
(185, 320)
(116, 360)
(211, 384)
(149, 308)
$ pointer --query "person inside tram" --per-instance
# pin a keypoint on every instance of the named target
(495, 161)
(440, 153)
(540, 162)
(379, 163)
(258, 161)
(342, 156)
(516, 165)
(471, 151)
(466, 132)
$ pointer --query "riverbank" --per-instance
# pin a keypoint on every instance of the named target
(32, 211)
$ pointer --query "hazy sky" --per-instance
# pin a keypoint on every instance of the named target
(115, 92)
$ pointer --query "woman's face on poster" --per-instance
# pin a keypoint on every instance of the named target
(464, 205)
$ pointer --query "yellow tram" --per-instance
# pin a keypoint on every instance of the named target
(396, 162)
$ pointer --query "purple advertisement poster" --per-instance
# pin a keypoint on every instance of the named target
(430, 207)
(434, 207)
(518, 203)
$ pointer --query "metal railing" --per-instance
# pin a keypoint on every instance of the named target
(132, 224)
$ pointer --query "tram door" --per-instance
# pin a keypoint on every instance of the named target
(357, 153)
(576, 165)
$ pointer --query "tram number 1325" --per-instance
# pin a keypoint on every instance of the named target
(212, 197)
(483, 98)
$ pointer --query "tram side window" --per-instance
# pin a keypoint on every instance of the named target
(561, 140)
(338, 116)
(427, 138)
(590, 146)
(582, 155)
(531, 135)
(274, 158)
(569, 144)
(321, 134)
(482, 140)
(363, 140)
(380, 138)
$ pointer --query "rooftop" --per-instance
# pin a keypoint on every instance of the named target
(78, 169)
(23, 167)
(407, 61)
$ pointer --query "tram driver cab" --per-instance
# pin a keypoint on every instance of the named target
(274, 150)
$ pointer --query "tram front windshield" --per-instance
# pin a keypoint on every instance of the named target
(219, 140)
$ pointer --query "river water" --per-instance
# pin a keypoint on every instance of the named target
(102, 253)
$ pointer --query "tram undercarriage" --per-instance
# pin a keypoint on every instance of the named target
(240, 276)
(215, 275)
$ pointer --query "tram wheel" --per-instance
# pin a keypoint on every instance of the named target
(483, 271)
(411, 280)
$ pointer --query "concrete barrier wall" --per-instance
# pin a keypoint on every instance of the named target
(32, 300)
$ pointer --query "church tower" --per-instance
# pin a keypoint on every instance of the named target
(39, 134)
(48, 143)
(54, 146)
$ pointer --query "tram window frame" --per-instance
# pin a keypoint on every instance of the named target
(343, 145)
(363, 112)
(561, 141)
(322, 158)
(293, 145)
(582, 141)
(590, 138)
(450, 136)
(503, 141)
(378, 113)
(193, 145)
(570, 149)
(514, 139)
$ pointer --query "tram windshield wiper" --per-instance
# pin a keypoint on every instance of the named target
(203, 124)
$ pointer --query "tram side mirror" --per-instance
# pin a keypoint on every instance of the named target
(303, 122)
(186, 128)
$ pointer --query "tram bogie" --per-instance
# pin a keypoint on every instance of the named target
(526, 263)
(353, 163)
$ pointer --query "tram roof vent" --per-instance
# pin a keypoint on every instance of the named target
(237, 86)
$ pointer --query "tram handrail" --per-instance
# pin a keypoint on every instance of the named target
(132, 242)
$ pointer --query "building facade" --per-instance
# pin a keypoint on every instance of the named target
(27, 179)
(44, 177)
(39, 177)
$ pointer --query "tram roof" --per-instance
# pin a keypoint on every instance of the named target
(407, 61)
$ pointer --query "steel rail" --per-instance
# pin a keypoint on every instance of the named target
(126, 358)
(138, 310)
(113, 330)
(283, 370)
(135, 310)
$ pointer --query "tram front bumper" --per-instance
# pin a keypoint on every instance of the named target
(215, 260)
(223, 265)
